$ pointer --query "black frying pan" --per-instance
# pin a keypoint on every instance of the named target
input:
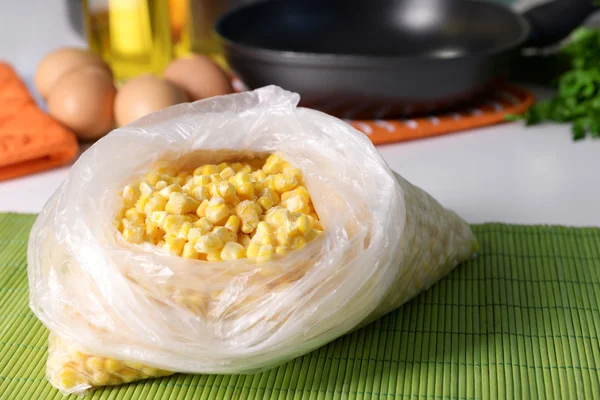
(387, 57)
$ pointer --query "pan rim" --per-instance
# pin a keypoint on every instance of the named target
(312, 58)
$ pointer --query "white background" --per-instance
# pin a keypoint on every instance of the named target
(503, 173)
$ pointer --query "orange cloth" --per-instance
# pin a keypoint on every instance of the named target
(30, 140)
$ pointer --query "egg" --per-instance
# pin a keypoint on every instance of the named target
(60, 62)
(83, 100)
(143, 95)
(199, 76)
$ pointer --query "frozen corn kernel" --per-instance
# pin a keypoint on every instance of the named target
(201, 211)
(180, 203)
(166, 192)
(134, 233)
(174, 244)
(189, 251)
(233, 223)
(227, 173)
(131, 194)
(233, 251)
(217, 211)
(204, 225)
(161, 185)
(209, 243)
(225, 234)
(155, 204)
(274, 164)
(199, 192)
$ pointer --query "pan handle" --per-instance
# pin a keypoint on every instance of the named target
(554, 21)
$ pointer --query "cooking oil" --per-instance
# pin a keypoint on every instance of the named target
(142, 36)
(133, 36)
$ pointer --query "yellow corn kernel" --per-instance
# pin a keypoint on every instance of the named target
(303, 223)
(174, 244)
(227, 173)
(274, 164)
(181, 177)
(131, 194)
(284, 182)
(213, 257)
(69, 378)
(209, 243)
(134, 233)
(252, 250)
(222, 166)
(208, 169)
(310, 235)
(217, 211)
(278, 216)
(237, 166)
(145, 189)
(129, 375)
(233, 223)
(194, 234)
(153, 232)
(152, 177)
(204, 225)
(226, 190)
(281, 250)
(180, 203)
(154, 204)
(95, 363)
(298, 242)
(265, 253)
(216, 178)
(100, 378)
(265, 202)
(271, 194)
(160, 185)
(201, 211)
(158, 217)
(113, 366)
(248, 214)
(244, 240)
(141, 203)
(283, 235)
(201, 180)
(166, 192)
(133, 215)
(172, 224)
(296, 200)
(233, 251)
(184, 229)
(200, 193)
(225, 234)
(295, 172)
(189, 251)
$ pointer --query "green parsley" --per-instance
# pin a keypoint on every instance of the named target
(578, 98)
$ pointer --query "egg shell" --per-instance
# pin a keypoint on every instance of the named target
(199, 76)
(143, 95)
(83, 100)
(58, 63)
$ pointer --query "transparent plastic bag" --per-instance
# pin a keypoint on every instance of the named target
(384, 241)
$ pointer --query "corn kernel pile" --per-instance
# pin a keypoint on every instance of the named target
(70, 368)
(258, 209)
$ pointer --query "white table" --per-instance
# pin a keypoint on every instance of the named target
(503, 173)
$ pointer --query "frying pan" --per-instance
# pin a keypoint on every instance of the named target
(387, 58)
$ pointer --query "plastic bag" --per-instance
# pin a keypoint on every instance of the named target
(384, 241)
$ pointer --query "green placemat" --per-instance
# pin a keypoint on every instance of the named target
(521, 321)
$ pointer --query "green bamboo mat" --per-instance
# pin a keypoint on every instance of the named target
(521, 321)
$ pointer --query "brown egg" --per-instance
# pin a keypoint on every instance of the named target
(199, 76)
(60, 62)
(83, 100)
(143, 95)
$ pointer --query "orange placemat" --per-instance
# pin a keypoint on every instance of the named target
(507, 99)
(30, 140)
